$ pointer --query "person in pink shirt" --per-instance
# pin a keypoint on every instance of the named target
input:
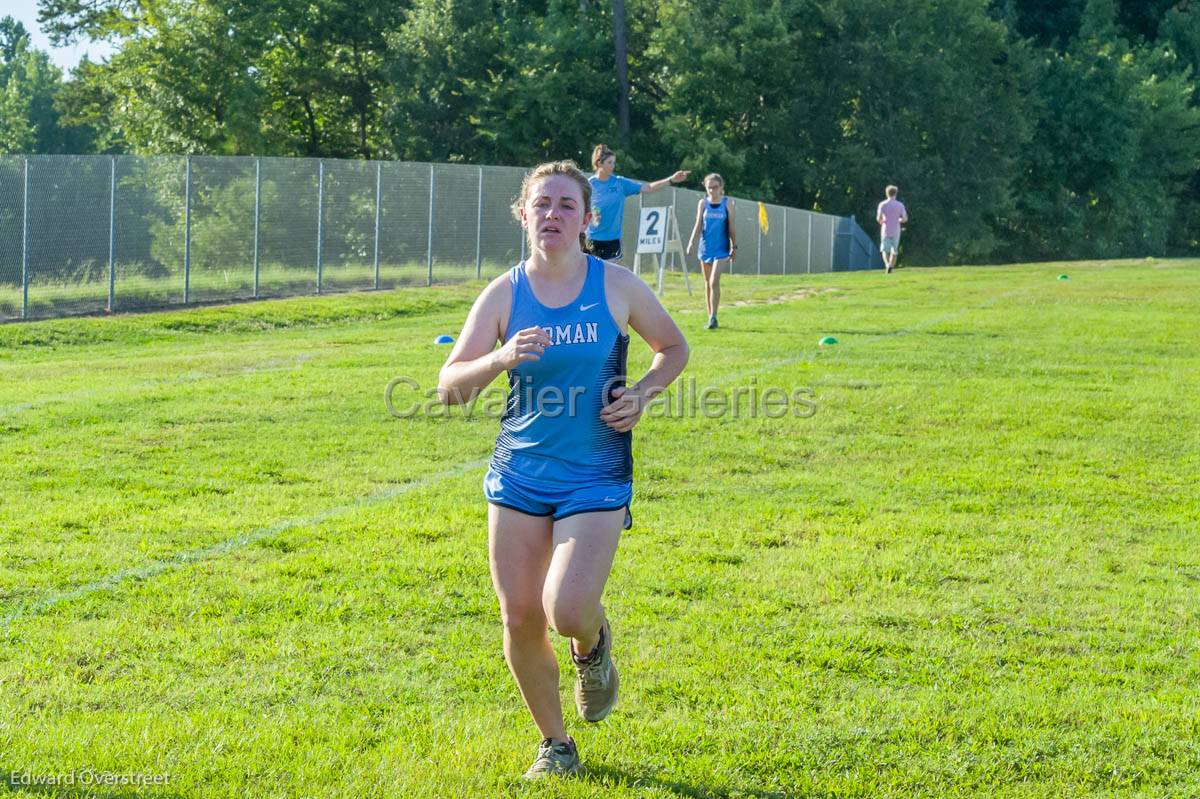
(890, 216)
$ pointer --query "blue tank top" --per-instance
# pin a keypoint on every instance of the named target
(715, 243)
(551, 428)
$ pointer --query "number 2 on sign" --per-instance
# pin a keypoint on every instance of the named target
(652, 218)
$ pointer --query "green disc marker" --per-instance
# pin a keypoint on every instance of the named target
(1064, 277)
(828, 341)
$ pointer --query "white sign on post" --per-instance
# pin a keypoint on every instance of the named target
(658, 237)
(652, 231)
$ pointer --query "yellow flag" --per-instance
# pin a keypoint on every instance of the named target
(762, 218)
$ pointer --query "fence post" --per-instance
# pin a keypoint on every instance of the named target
(378, 205)
(257, 218)
(187, 229)
(785, 216)
(25, 243)
(850, 242)
(808, 264)
(758, 267)
(479, 230)
(621, 233)
(429, 243)
(832, 239)
(112, 236)
(320, 218)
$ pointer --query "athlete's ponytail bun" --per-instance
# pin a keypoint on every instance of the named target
(600, 155)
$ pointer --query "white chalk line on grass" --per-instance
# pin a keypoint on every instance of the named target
(220, 548)
(238, 542)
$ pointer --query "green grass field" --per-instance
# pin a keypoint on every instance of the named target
(975, 571)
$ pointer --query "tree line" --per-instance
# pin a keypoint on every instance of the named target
(1016, 129)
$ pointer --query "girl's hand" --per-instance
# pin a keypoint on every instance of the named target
(733, 253)
(624, 411)
(526, 345)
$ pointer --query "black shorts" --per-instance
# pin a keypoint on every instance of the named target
(606, 250)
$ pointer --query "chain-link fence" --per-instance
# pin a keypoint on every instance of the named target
(86, 234)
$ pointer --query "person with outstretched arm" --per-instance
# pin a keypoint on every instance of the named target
(609, 191)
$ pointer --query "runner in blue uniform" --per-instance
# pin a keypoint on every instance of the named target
(718, 246)
(560, 481)
(608, 202)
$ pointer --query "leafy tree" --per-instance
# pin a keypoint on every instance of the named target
(1056, 23)
(501, 82)
(85, 105)
(559, 94)
(822, 104)
(1015, 128)
(1179, 33)
(441, 64)
(17, 134)
(324, 74)
(29, 85)
(14, 39)
(1114, 145)
(282, 77)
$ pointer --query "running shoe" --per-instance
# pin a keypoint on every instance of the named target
(596, 679)
(555, 759)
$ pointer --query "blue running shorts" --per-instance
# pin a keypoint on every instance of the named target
(557, 499)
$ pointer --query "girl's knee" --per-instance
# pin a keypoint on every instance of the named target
(523, 619)
(568, 616)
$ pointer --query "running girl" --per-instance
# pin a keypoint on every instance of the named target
(560, 484)
(714, 216)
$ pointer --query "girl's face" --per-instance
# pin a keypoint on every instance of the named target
(554, 215)
(715, 190)
(607, 167)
